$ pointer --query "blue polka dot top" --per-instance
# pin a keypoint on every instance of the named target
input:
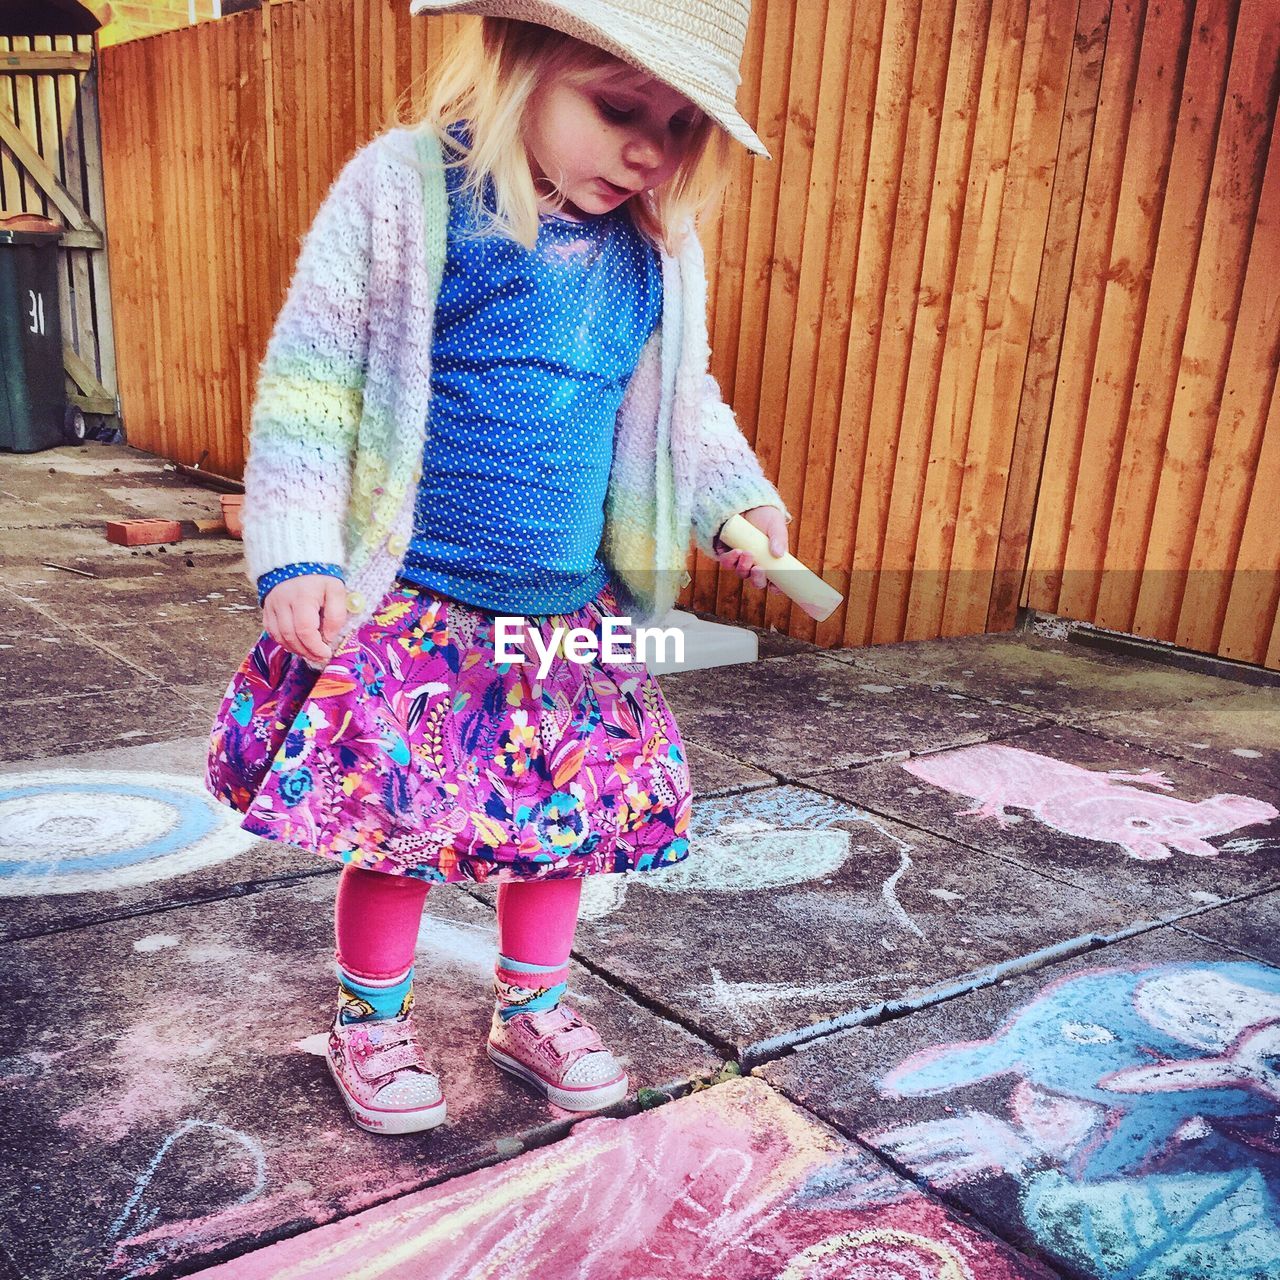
(531, 354)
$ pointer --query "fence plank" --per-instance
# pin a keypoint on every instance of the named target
(1024, 220)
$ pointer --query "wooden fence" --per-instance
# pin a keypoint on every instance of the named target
(51, 165)
(984, 358)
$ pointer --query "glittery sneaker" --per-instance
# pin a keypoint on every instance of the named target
(561, 1056)
(383, 1077)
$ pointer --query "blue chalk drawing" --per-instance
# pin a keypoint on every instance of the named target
(1218, 1226)
(69, 831)
(1144, 1120)
(763, 840)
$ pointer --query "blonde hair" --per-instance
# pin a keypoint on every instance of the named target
(486, 80)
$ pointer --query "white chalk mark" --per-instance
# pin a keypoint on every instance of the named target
(888, 891)
(734, 997)
(156, 942)
(253, 1147)
(80, 830)
(458, 942)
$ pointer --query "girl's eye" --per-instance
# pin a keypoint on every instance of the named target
(615, 113)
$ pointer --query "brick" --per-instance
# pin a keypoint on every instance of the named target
(141, 533)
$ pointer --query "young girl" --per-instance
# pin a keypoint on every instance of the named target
(486, 396)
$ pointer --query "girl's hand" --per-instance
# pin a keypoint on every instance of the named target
(305, 614)
(771, 522)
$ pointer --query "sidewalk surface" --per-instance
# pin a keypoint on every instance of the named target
(971, 975)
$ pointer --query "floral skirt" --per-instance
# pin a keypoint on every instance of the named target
(415, 752)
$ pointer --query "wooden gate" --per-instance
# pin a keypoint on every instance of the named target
(51, 165)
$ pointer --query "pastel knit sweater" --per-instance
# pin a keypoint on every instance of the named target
(339, 419)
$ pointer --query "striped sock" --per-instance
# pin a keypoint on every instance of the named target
(373, 999)
(524, 988)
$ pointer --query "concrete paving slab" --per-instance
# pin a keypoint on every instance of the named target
(18, 616)
(735, 1183)
(798, 715)
(105, 482)
(1249, 926)
(29, 552)
(71, 724)
(1238, 734)
(714, 771)
(794, 908)
(17, 512)
(171, 592)
(1167, 836)
(1059, 680)
(49, 661)
(199, 661)
(124, 832)
(167, 1099)
(1116, 1113)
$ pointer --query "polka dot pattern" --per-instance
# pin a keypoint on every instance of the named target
(285, 572)
(531, 355)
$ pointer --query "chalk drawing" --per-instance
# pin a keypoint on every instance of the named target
(732, 1182)
(737, 999)
(1090, 803)
(79, 831)
(877, 1255)
(1141, 1126)
(459, 942)
(135, 1217)
(763, 840)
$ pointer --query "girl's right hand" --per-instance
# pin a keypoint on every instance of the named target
(305, 615)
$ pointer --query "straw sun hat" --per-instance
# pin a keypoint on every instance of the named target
(694, 46)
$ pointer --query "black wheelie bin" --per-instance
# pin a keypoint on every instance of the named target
(33, 397)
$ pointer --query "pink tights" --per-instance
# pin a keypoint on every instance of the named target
(376, 918)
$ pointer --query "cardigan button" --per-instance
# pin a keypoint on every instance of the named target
(355, 602)
(397, 546)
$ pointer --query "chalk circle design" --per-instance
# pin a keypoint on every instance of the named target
(877, 1255)
(76, 831)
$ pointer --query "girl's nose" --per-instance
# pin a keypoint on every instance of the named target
(645, 151)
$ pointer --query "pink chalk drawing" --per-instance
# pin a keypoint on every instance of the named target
(1091, 803)
(733, 1182)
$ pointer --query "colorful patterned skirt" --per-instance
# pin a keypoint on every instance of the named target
(415, 753)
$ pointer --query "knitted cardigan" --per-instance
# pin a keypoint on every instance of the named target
(340, 412)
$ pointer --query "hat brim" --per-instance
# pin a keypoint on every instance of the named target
(549, 14)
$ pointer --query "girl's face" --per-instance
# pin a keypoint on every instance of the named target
(605, 135)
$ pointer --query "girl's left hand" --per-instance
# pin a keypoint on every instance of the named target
(773, 524)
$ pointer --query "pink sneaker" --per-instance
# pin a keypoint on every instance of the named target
(383, 1077)
(561, 1056)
